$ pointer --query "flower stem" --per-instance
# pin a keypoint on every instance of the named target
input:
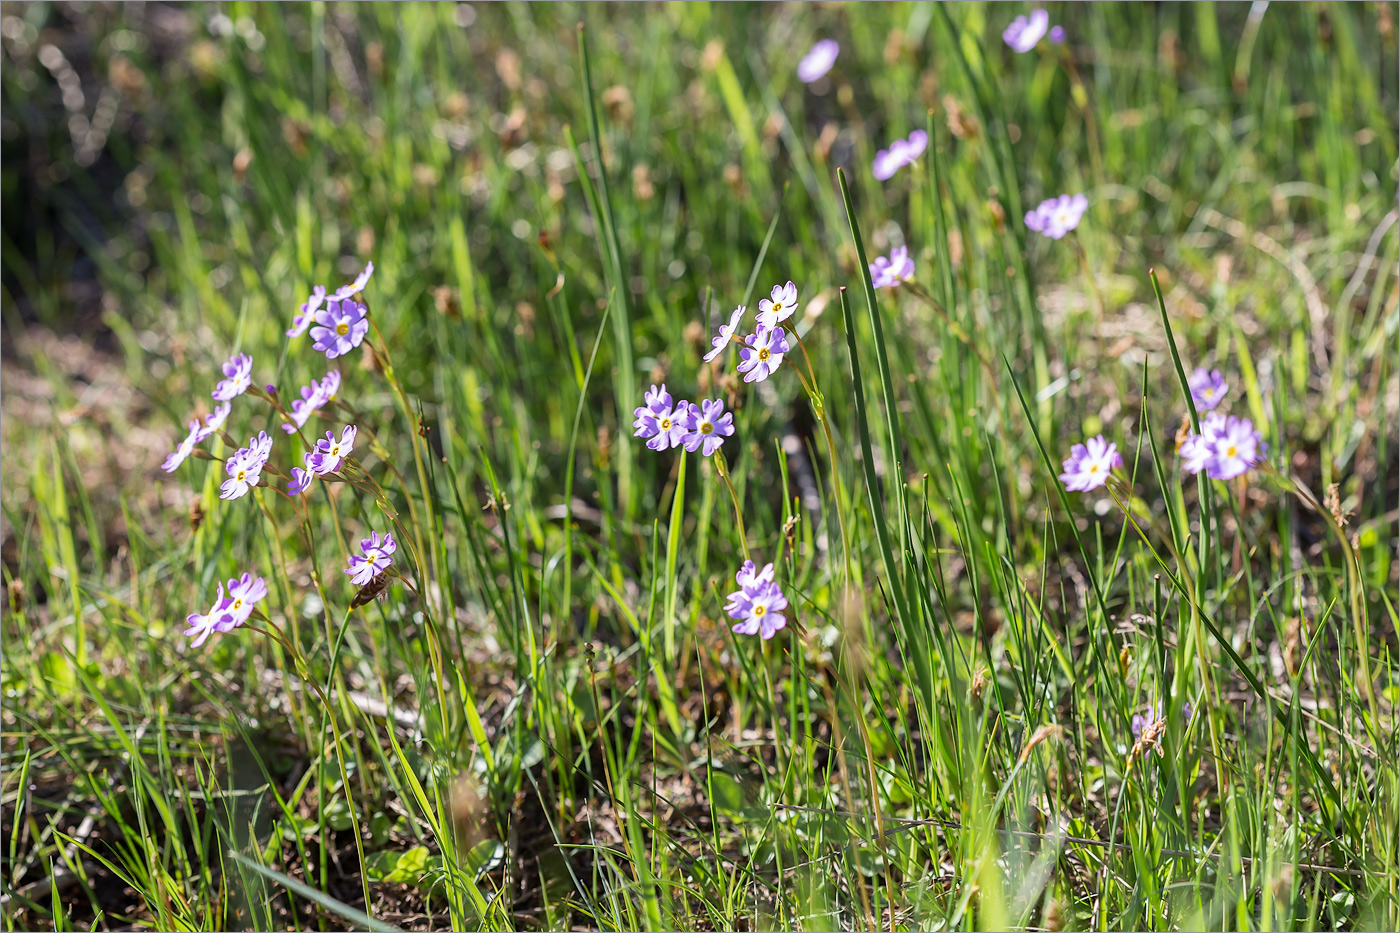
(723, 469)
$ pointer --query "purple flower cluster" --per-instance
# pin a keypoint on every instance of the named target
(229, 611)
(1226, 447)
(758, 602)
(341, 322)
(1025, 32)
(328, 457)
(818, 60)
(1057, 216)
(902, 152)
(245, 467)
(198, 433)
(664, 423)
(313, 397)
(378, 556)
(1089, 464)
(887, 273)
(238, 376)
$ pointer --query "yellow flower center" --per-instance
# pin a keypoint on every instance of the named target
(1230, 451)
(763, 354)
(238, 604)
(759, 610)
(1094, 468)
(665, 424)
(706, 427)
(778, 306)
(342, 328)
(335, 450)
(242, 474)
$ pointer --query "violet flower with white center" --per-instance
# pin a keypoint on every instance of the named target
(1238, 448)
(307, 312)
(228, 612)
(341, 326)
(706, 426)
(764, 353)
(180, 453)
(887, 273)
(244, 593)
(245, 467)
(1088, 464)
(1055, 217)
(202, 625)
(1024, 32)
(759, 610)
(663, 427)
(1208, 388)
(726, 333)
(378, 557)
(329, 455)
(902, 152)
(357, 286)
(238, 376)
(818, 60)
(214, 421)
(780, 306)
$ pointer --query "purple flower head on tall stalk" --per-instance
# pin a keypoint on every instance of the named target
(180, 453)
(902, 152)
(1225, 448)
(313, 398)
(818, 60)
(1055, 217)
(330, 453)
(357, 286)
(764, 353)
(1024, 32)
(1088, 464)
(238, 376)
(759, 609)
(378, 557)
(307, 311)
(341, 326)
(706, 426)
(1057, 35)
(214, 421)
(229, 611)
(779, 306)
(887, 273)
(659, 421)
(726, 333)
(245, 467)
(1208, 388)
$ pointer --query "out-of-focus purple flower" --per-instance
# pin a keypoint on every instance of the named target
(818, 60)
(1088, 464)
(902, 152)
(887, 273)
(726, 333)
(180, 453)
(764, 353)
(341, 325)
(758, 609)
(706, 426)
(357, 286)
(229, 611)
(659, 421)
(1208, 388)
(780, 306)
(214, 421)
(245, 467)
(329, 455)
(1057, 34)
(238, 376)
(378, 557)
(1055, 217)
(1143, 721)
(313, 397)
(330, 386)
(307, 312)
(1024, 32)
(1225, 448)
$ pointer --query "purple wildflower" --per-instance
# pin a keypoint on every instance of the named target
(214, 421)
(661, 422)
(758, 609)
(1055, 217)
(357, 286)
(706, 426)
(307, 311)
(887, 273)
(341, 325)
(764, 353)
(1089, 464)
(245, 467)
(202, 625)
(378, 557)
(1208, 388)
(313, 397)
(1143, 721)
(818, 60)
(329, 455)
(301, 480)
(229, 611)
(186, 448)
(902, 152)
(750, 579)
(330, 386)
(1225, 448)
(238, 376)
(244, 593)
(726, 333)
(1057, 34)
(782, 304)
(1024, 32)
(1195, 453)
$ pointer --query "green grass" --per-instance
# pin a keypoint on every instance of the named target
(553, 727)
